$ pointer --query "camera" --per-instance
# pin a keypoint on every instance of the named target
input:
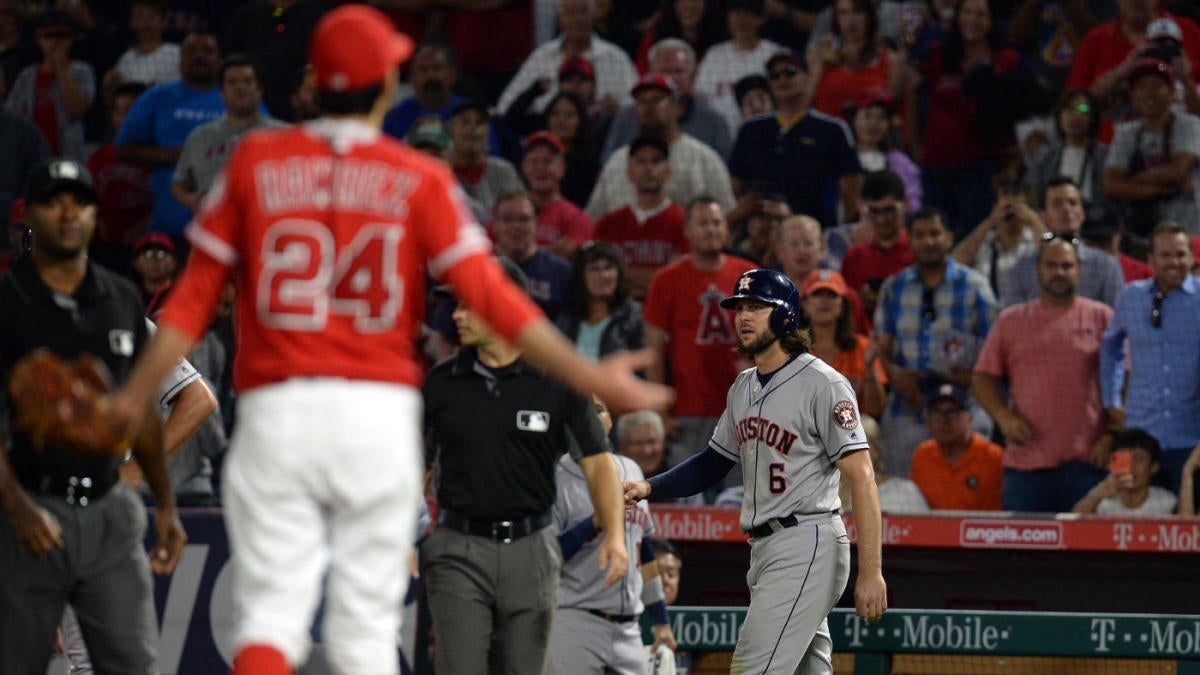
(1163, 50)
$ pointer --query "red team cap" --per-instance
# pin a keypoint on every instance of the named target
(154, 240)
(654, 81)
(828, 279)
(1151, 66)
(354, 46)
(546, 138)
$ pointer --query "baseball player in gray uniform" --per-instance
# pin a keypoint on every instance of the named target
(596, 628)
(793, 425)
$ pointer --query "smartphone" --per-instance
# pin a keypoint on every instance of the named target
(1120, 462)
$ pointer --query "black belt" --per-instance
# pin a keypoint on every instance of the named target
(615, 618)
(503, 531)
(76, 490)
(776, 524)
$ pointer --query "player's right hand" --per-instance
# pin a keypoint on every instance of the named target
(635, 491)
(35, 527)
(870, 596)
(623, 391)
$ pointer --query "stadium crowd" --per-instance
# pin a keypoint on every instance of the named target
(990, 207)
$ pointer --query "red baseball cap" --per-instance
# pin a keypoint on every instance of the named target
(548, 138)
(654, 81)
(354, 46)
(577, 65)
(871, 97)
(1151, 66)
(828, 279)
(154, 240)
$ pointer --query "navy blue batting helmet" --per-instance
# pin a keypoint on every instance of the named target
(773, 288)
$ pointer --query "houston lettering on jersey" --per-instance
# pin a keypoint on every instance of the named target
(358, 185)
(763, 429)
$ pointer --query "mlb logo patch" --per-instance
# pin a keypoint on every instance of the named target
(536, 421)
(120, 342)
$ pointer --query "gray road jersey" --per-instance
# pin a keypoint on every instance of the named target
(787, 436)
(582, 584)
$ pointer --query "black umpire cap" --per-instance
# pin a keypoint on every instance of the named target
(55, 176)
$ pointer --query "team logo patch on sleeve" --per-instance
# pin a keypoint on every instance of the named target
(845, 415)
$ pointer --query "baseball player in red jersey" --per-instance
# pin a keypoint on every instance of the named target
(328, 229)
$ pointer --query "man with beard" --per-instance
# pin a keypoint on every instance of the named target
(793, 424)
(930, 319)
(160, 121)
(210, 145)
(1049, 351)
(691, 334)
(433, 74)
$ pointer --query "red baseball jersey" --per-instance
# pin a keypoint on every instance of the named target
(685, 302)
(329, 230)
(653, 243)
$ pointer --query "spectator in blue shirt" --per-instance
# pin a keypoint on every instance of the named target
(1160, 318)
(162, 118)
(433, 74)
(930, 321)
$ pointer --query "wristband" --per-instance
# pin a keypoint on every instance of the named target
(658, 613)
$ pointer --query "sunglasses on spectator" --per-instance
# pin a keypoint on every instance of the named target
(928, 311)
(1156, 309)
(783, 71)
(154, 253)
(1082, 108)
(1052, 236)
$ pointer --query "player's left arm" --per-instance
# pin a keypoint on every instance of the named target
(190, 408)
(604, 487)
(870, 590)
(148, 451)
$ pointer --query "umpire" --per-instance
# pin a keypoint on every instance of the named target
(495, 428)
(72, 532)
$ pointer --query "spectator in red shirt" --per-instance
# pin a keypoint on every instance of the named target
(692, 335)
(850, 59)
(562, 226)
(1102, 230)
(1111, 50)
(650, 231)
(866, 265)
(962, 82)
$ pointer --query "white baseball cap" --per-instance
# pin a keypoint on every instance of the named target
(1164, 28)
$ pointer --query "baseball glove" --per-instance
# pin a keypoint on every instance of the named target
(64, 404)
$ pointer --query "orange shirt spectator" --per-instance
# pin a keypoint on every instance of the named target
(970, 484)
(956, 468)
